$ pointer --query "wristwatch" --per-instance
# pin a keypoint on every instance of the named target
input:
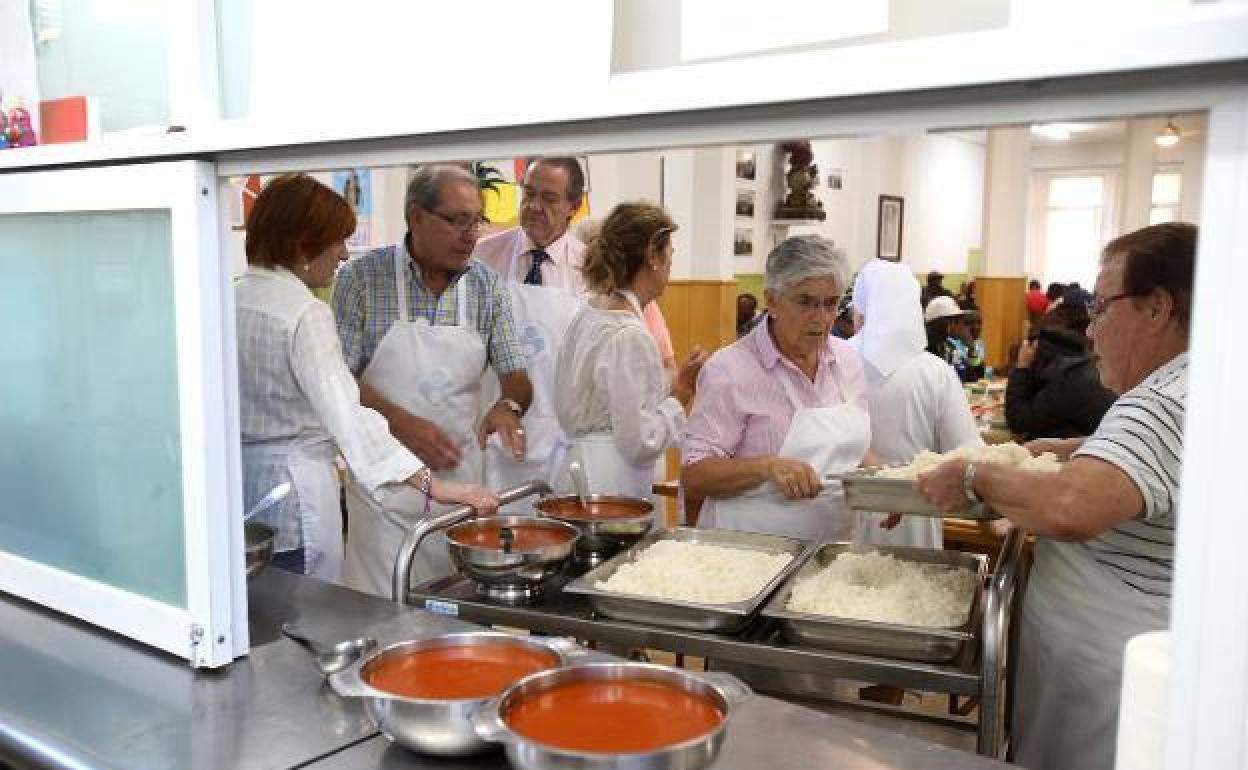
(513, 405)
(968, 484)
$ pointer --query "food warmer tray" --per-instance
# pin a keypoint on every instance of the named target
(865, 491)
(693, 616)
(919, 643)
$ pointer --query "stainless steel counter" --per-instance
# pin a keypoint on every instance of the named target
(73, 696)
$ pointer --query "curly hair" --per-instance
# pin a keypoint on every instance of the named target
(618, 250)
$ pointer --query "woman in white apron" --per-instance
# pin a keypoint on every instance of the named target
(612, 396)
(781, 408)
(299, 405)
(434, 372)
(914, 398)
(542, 315)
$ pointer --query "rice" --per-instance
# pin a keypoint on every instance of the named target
(1010, 454)
(884, 589)
(694, 572)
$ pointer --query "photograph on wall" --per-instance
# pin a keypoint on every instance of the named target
(355, 186)
(888, 237)
(836, 179)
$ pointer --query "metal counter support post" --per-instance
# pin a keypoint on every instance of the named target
(1000, 600)
(402, 576)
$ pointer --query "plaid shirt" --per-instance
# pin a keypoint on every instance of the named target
(366, 303)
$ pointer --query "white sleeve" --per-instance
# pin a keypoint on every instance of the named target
(373, 455)
(955, 425)
(645, 420)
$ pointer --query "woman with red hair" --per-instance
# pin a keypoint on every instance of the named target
(299, 405)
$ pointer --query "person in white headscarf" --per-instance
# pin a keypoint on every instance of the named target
(915, 399)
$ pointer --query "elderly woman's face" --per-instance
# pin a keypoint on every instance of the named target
(804, 313)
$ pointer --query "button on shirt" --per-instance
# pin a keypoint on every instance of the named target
(292, 381)
(366, 303)
(742, 408)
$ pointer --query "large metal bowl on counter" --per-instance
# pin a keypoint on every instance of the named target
(890, 640)
(511, 558)
(443, 725)
(257, 546)
(727, 618)
(594, 705)
(611, 524)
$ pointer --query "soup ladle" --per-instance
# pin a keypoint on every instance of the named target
(330, 658)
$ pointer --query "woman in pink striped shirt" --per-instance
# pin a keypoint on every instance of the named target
(781, 408)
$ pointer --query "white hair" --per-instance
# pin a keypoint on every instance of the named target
(425, 187)
(800, 257)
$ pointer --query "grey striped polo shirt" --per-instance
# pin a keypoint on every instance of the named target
(1142, 435)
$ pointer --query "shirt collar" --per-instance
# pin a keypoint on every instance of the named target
(559, 244)
(280, 272)
(769, 355)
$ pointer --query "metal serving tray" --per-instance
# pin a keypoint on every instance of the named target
(933, 645)
(692, 616)
(864, 491)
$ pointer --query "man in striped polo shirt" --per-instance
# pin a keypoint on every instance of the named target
(1105, 522)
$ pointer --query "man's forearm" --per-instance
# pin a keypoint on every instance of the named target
(372, 398)
(517, 387)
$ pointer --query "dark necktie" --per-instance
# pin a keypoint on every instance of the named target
(534, 276)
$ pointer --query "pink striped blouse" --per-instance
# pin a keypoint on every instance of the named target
(742, 408)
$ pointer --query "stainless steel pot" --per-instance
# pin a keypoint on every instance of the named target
(432, 726)
(724, 690)
(605, 536)
(512, 574)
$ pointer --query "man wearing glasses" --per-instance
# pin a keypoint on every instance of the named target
(420, 321)
(1105, 522)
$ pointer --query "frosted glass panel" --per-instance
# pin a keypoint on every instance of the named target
(90, 447)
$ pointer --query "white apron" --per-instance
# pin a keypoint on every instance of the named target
(832, 439)
(434, 372)
(1077, 618)
(310, 516)
(607, 470)
(542, 315)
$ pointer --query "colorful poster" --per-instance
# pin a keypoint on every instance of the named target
(356, 186)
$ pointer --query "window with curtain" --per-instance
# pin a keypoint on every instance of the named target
(1074, 223)
(1167, 197)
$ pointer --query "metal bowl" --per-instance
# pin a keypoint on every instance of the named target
(723, 690)
(257, 546)
(601, 536)
(513, 574)
(434, 726)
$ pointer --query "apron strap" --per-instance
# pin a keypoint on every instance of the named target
(401, 261)
(461, 300)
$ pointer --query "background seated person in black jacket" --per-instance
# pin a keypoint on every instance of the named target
(1054, 389)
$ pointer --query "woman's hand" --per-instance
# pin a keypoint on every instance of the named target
(685, 383)
(1026, 354)
(795, 479)
(483, 500)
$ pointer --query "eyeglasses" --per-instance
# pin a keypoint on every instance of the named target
(462, 222)
(1099, 306)
(812, 305)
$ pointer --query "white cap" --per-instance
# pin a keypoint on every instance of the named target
(942, 307)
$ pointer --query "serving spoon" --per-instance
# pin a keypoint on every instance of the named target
(581, 482)
(330, 658)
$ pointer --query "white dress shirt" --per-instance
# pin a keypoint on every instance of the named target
(293, 381)
(562, 270)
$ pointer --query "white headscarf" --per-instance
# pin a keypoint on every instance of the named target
(887, 295)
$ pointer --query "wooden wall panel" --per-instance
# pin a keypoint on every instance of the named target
(1003, 304)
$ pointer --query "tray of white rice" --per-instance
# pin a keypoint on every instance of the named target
(888, 601)
(894, 489)
(696, 579)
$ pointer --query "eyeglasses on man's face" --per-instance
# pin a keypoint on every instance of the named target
(462, 222)
(1101, 304)
(810, 305)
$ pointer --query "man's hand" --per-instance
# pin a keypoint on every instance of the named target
(506, 423)
(1062, 447)
(795, 479)
(942, 486)
(1026, 354)
(426, 440)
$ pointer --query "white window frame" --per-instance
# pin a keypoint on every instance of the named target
(1169, 168)
(212, 629)
(1036, 260)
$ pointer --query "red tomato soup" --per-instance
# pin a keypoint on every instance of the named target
(452, 673)
(596, 511)
(526, 538)
(613, 717)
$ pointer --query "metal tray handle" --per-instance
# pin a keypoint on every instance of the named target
(488, 723)
(565, 647)
(348, 683)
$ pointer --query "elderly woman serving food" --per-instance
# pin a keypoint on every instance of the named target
(1105, 522)
(781, 408)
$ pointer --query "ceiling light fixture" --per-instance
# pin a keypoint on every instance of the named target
(1168, 136)
(1058, 132)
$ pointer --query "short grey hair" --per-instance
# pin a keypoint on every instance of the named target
(800, 257)
(424, 189)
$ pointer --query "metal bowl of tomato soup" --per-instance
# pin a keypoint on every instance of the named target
(608, 525)
(422, 694)
(511, 558)
(613, 715)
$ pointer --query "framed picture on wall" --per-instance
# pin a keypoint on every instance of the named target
(888, 237)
